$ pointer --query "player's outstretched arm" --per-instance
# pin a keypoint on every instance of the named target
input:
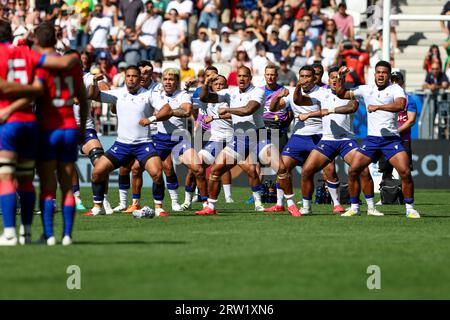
(66, 62)
(17, 90)
(350, 107)
(397, 106)
(278, 103)
(17, 105)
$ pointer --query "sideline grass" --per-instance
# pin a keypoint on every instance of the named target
(240, 254)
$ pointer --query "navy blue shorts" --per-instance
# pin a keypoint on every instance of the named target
(333, 148)
(21, 138)
(299, 147)
(91, 134)
(244, 145)
(58, 144)
(165, 144)
(212, 149)
(374, 147)
(121, 154)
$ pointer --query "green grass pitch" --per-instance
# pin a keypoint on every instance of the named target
(240, 254)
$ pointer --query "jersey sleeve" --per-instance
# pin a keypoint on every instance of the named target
(412, 106)
(224, 96)
(109, 96)
(359, 91)
(398, 92)
(185, 98)
(287, 101)
(37, 59)
(258, 96)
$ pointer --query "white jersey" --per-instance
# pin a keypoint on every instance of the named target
(87, 80)
(311, 126)
(159, 98)
(380, 123)
(154, 86)
(237, 99)
(336, 126)
(221, 129)
(131, 108)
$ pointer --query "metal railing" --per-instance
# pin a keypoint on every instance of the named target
(434, 121)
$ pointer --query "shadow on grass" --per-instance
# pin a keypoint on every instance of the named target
(131, 242)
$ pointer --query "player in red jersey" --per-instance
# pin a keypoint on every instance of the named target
(58, 138)
(18, 130)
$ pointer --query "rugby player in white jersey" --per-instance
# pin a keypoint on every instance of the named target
(383, 101)
(246, 107)
(172, 137)
(338, 139)
(134, 113)
(146, 69)
(90, 145)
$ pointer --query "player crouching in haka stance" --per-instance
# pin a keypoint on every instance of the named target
(383, 100)
(337, 139)
(246, 107)
(133, 107)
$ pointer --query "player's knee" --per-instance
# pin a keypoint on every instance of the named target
(7, 168)
(156, 176)
(198, 171)
(354, 172)
(95, 154)
(404, 172)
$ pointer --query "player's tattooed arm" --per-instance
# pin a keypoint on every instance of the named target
(17, 105)
(205, 94)
(278, 103)
(17, 90)
(350, 107)
(397, 106)
(163, 114)
(251, 107)
(184, 111)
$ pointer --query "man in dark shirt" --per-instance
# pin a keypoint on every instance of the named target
(435, 79)
(130, 9)
(275, 45)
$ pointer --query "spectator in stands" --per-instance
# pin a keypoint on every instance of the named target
(298, 60)
(173, 36)
(329, 53)
(82, 11)
(148, 27)
(226, 48)
(270, 6)
(131, 48)
(318, 18)
(288, 16)
(110, 11)
(86, 61)
(238, 24)
(286, 77)
(68, 25)
(251, 37)
(209, 17)
(201, 47)
(435, 79)
(331, 30)
(317, 57)
(241, 59)
(433, 55)
(62, 43)
(344, 21)
(275, 45)
(119, 78)
(187, 74)
(185, 9)
(311, 34)
(99, 28)
(364, 61)
(159, 7)
(130, 10)
(300, 40)
(114, 50)
(374, 47)
(262, 59)
(106, 68)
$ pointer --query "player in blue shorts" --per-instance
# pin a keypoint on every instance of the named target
(338, 139)
(383, 101)
(134, 113)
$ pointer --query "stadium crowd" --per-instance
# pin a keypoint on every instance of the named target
(114, 54)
